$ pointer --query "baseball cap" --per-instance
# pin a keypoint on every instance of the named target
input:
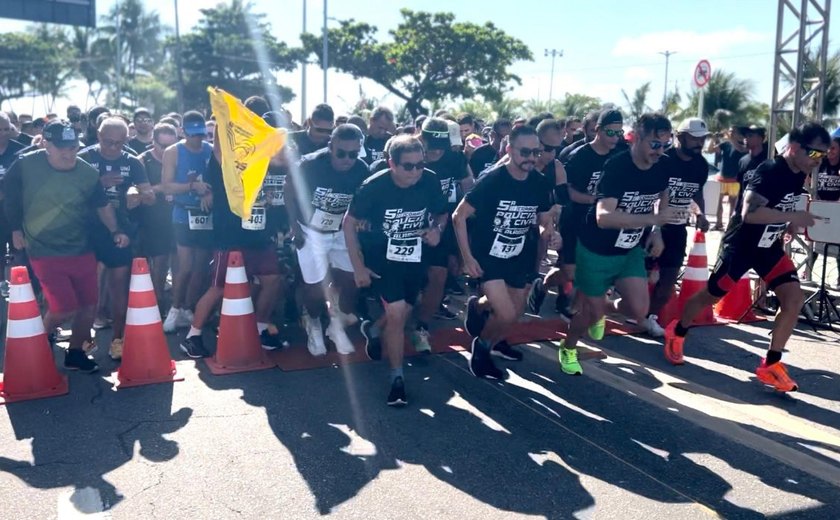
(60, 134)
(754, 129)
(195, 127)
(693, 126)
(142, 112)
(436, 134)
(454, 133)
(609, 116)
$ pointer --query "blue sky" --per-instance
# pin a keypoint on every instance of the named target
(607, 46)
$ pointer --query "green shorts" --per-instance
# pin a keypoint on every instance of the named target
(597, 273)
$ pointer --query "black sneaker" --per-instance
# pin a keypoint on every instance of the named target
(445, 314)
(536, 296)
(373, 346)
(76, 359)
(194, 347)
(505, 351)
(474, 320)
(396, 397)
(270, 339)
(481, 364)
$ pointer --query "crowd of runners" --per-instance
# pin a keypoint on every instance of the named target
(364, 223)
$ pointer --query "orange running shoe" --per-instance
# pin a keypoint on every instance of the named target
(673, 344)
(776, 375)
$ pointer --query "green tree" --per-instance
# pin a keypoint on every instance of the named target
(477, 107)
(576, 105)
(533, 107)
(637, 105)
(430, 57)
(232, 48)
(724, 91)
(19, 55)
(56, 63)
(506, 107)
(91, 60)
(831, 96)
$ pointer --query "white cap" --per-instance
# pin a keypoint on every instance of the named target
(454, 133)
(693, 126)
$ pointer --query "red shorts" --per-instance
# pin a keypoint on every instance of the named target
(69, 283)
(258, 262)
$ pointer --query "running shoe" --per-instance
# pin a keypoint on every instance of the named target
(776, 375)
(481, 363)
(445, 314)
(194, 347)
(101, 323)
(536, 296)
(314, 335)
(116, 350)
(420, 340)
(569, 363)
(673, 344)
(596, 331)
(373, 346)
(170, 324)
(185, 319)
(270, 339)
(76, 359)
(652, 327)
(474, 320)
(503, 350)
(397, 395)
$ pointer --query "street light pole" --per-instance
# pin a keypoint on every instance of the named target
(667, 55)
(118, 73)
(554, 53)
(325, 57)
(303, 74)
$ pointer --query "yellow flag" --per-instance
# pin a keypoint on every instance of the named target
(247, 144)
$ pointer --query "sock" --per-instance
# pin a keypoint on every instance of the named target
(193, 332)
(395, 373)
(772, 357)
(261, 327)
(680, 330)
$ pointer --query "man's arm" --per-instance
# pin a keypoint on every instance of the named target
(608, 216)
(14, 204)
(468, 181)
(459, 221)
(579, 197)
(755, 211)
(109, 218)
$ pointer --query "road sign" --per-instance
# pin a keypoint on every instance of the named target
(71, 12)
(702, 73)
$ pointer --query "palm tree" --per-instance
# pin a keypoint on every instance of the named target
(724, 91)
(476, 107)
(576, 105)
(638, 104)
(831, 96)
(507, 108)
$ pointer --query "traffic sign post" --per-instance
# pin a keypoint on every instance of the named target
(702, 76)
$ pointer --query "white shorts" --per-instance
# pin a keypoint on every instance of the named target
(320, 252)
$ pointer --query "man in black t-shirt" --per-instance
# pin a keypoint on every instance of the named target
(612, 243)
(828, 188)
(381, 129)
(319, 126)
(753, 240)
(728, 154)
(405, 213)
(487, 155)
(143, 125)
(687, 176)
(754, 137)
(318, 198)
(505, 205)
(590, 130)
(126, 186)
(9, 151)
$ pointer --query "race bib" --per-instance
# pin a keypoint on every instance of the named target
(679, 217)
(453, 192)
(410, 250)
(507, 247)
(199, 220)
(324, 221)
(771, 234)
(628, 238)
(276, 198)
(257, 220)
(273, 187)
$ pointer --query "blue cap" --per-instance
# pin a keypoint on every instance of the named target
(195, 128)
(836, 133)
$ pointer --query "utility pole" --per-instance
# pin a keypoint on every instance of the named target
(667, 55)
(178, 61)
(554, 53)
(325, 57)
(118, 73)
(303, 74)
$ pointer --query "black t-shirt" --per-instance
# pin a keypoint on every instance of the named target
(375, 148)
(685, 180)
(378, 165)
(24, 139)
(828, 181)
(304, 144)
(127, 165)
(397, 216)
(506, 211)
(160, 213)
(274, 193)
(583, 172)
(138, 146)
(482, 158)
(13, 151)
(730, 158)
(747, 164)
(775, 181)
(636, 190)
(229, 229)
(564, 154)
(327, 193)
(450, 169)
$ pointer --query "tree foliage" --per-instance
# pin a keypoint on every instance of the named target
(637, 105)
(430, 57)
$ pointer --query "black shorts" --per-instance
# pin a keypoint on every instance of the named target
(398, 280)
(516, 272)
(438, 256)
(676, 240)
(569, 233)
(185, 237)
(106, 250)
(157, 241)
(771, 264)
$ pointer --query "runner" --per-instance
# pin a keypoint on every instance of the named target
(753, 240)
(156, 234)
(144, 124)
(486, 156)
(380, 130)
(727, 156)
(317, 134)
(184, 166)
(398, 204)
(828, 188)
(327, 181)
(688, 174)
(505, 204)
(610, 241)
(9, 151)
(590, 130)
(55, 182)
(573, 132)
(754, 137)
(126, 186)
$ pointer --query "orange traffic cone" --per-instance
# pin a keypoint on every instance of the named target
(238, 348)
(29, 366)
(737, 304)
(145, 359)
(695, 278)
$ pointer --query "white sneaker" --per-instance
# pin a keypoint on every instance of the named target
(652, 326)
(314, 336)
(336, 333)
(186, 318)
(347, 320)
(171, 321)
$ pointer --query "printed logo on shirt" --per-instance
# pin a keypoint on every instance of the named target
(681, 193)
(593, 182)
(399, 224)
(772, 232)
(513, 220)
(331, 202)
(635, 202)
(826, 182)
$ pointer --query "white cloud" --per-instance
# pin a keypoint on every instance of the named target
(639, 74)
(686, 42)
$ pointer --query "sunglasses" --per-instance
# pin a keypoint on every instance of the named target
(342, 154)
(656, 145)
(814, 153)
(322, 130)
(144, 120)
(413, 166)
(111, 143)
(528, 152)
(613, 133)
(547, 148)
